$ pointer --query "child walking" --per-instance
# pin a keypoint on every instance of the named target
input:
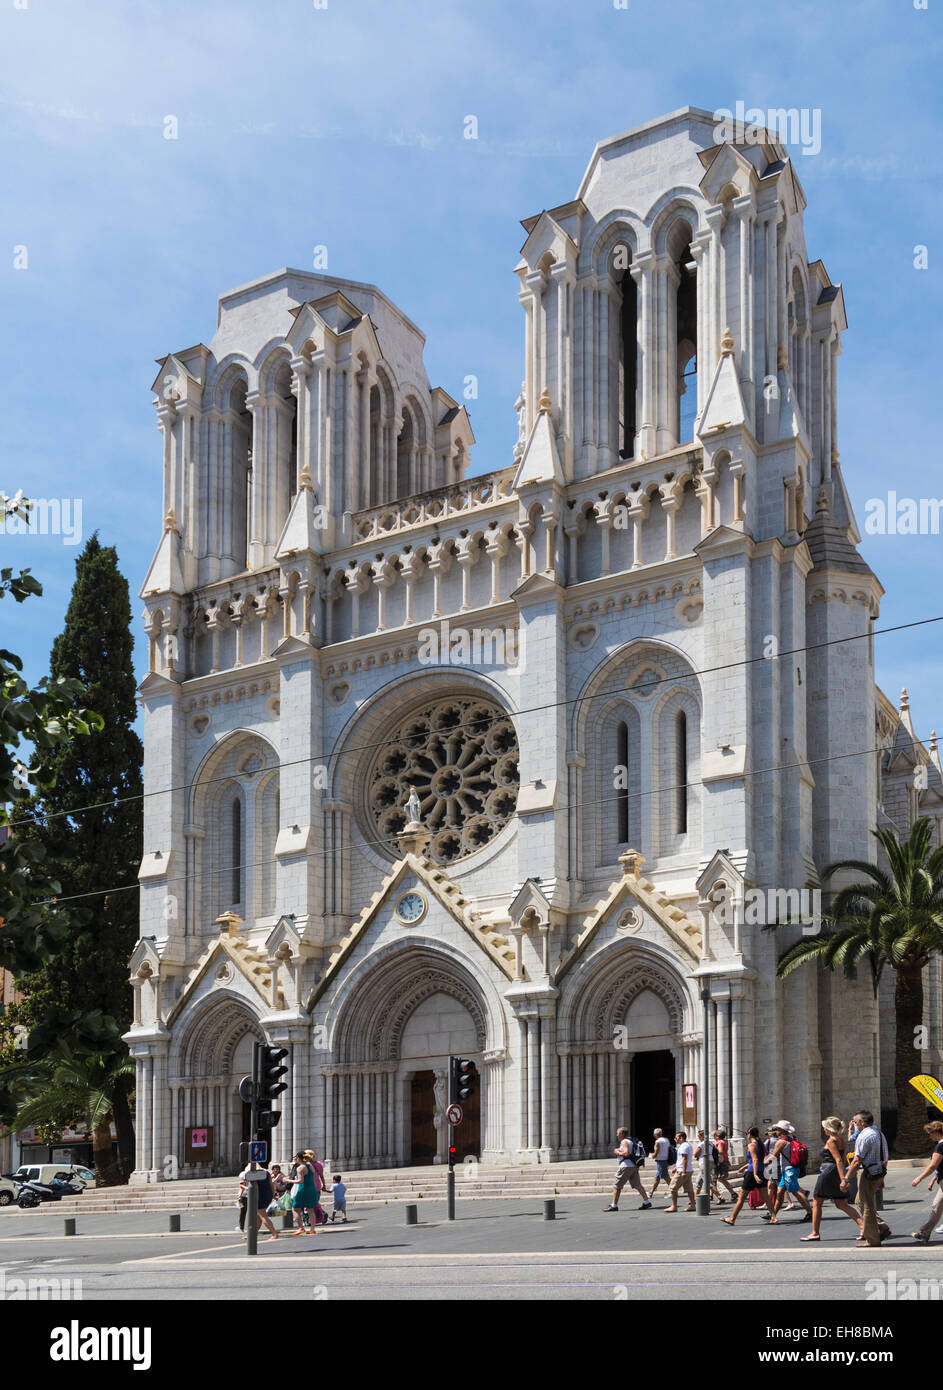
(339, 1193)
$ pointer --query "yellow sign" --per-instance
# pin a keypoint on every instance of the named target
(929, 1088)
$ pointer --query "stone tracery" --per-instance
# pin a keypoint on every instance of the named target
(460, 755)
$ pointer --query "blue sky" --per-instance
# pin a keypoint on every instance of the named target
(344, 127)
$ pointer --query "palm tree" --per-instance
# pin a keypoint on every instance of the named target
(69, 1090)
(887, 918)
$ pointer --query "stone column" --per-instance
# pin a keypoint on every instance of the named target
(642, 272)
(718, 308)
(745, 210)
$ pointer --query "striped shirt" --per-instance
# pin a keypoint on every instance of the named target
(871, 1147)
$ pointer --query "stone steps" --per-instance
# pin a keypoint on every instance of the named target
(388, 1185)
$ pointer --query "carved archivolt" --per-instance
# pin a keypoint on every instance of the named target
(212, 1038)
(460, 755)
(387, 1034)
(618, 998)
(373, 1028)
(603, 1001)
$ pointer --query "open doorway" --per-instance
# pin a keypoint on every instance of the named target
(652, 1093)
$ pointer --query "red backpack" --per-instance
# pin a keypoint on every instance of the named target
(799, 1156)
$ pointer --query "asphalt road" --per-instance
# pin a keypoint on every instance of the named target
(495, 1249)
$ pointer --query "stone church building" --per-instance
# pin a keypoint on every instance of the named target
(492, 764)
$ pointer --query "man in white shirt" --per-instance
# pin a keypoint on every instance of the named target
(869, 1158)
(683, 1178)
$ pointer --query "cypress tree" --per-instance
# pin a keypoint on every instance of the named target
(97, 848)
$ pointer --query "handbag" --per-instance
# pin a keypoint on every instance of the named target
(757, 1198)
(283, 1203)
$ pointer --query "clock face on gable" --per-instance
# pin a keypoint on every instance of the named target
(411, 907)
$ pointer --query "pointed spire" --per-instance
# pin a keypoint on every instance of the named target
(540, 461)
(724, 407)
(303, 531)
(726, 343)
(165, 575)
(906, 718)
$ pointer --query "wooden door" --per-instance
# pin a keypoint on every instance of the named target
(424, 1139)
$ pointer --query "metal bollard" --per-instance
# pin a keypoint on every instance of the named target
(550, 1209)
(287, 1221)
(70, 1225)
(412, 1214)
(174, 1221)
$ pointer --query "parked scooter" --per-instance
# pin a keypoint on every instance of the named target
(32, 1193)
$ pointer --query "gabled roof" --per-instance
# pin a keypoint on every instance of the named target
(679, 927)
(446, 892)
(246, 958)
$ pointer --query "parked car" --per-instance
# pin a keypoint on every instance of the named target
(7, 1191)
(45, 1172)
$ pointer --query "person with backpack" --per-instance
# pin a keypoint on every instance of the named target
(754, 1180)
(792, 1158)
(664, 1154)
(870, 1160)
(630, 1153)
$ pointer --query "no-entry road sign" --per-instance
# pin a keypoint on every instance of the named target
(454, 1114)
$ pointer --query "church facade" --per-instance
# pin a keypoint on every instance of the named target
(518, 766)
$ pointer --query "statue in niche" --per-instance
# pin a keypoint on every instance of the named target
(413, 808)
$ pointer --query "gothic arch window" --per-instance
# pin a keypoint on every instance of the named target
(627, 390)
(406, 483)
(286, 445)
(628, 765)
(236, 851)
(240, 472)
(676, 734)
(235, 804)
(681, 763)
(682, 346)
(686, 338)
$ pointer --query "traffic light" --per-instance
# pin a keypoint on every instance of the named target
(462, 1079)
(270, 1072)
(270, 1084)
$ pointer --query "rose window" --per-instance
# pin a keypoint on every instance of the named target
(460, 756)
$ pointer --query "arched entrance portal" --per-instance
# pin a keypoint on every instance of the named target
(621, 1063)
(214, 1055)
(388, 1092)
